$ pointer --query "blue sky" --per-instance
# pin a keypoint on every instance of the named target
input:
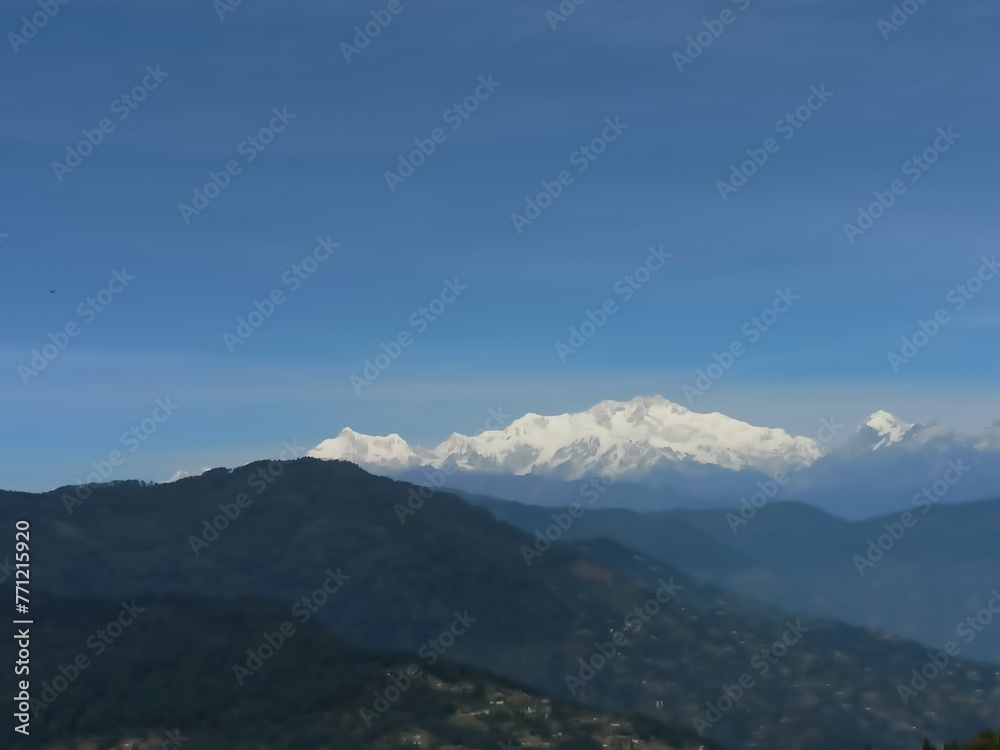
(324, 175)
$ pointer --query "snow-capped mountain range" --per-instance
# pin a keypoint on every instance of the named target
(631, 437)
(652, 443)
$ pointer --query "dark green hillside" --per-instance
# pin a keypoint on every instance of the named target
(801, 559)
(170, 674)
(534, 624)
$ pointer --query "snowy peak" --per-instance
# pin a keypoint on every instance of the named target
(390, 452)
(886, 433)
(628, 438)
(888, 429)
